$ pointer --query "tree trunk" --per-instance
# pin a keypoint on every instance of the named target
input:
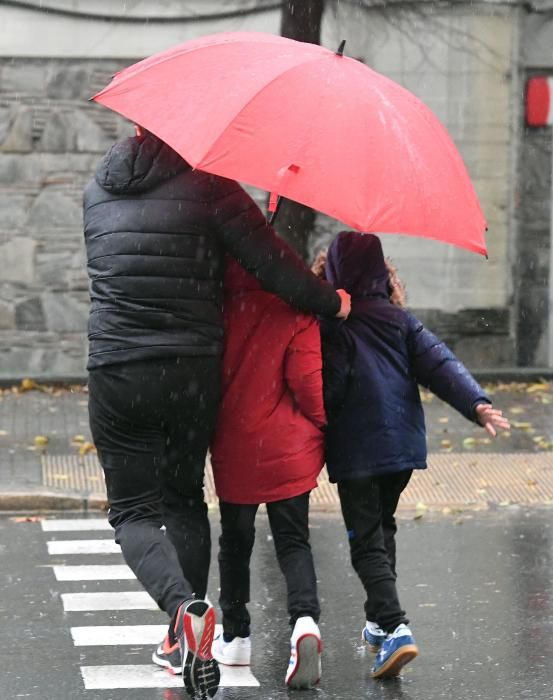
(300, 20)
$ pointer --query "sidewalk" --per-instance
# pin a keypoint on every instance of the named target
(47, 460)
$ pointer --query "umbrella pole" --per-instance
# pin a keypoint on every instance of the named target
(273, 214)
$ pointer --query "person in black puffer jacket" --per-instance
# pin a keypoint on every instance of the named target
(156, 233)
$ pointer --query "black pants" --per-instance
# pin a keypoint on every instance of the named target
(289, 521)
(368, 507)
(152, 422)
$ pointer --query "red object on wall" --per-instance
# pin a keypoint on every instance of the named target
(539, 101)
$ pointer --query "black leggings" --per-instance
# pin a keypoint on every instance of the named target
(289, 521)
(152, 422)
(368, 507)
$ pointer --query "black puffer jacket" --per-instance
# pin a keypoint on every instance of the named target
(156, 232)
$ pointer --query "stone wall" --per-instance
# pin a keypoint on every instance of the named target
(50, 140)
(460, 59)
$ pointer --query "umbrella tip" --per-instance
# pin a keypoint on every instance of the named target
(340, 51)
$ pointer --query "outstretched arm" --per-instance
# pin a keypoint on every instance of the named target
(438, 369)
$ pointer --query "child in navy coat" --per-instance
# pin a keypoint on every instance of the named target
(373, 363)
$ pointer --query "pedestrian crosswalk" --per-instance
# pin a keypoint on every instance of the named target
(111, 676)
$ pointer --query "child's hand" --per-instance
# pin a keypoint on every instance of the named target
(491, 418)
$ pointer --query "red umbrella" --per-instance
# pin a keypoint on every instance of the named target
(309, 124)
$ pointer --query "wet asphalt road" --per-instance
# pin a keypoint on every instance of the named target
(479, 594)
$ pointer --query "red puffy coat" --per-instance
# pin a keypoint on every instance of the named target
(268, 444)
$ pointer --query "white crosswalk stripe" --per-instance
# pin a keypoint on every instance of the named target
(115, 676)
(87, 572)
(131, 676)
(125, 600)
(75, 525)
(83, 547)
(114, 635)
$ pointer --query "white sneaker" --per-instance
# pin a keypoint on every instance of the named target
(235, 653)
(304, 668)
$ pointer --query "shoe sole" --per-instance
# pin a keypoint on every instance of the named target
(200, 671)
(175, 670)
(308, 663)
(231, 662)
(397, 661)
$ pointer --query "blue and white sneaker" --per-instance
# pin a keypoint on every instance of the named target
(304, 667)
(373, 636)
(397, 650)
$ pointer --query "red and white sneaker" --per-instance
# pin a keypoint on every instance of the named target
(168, 656)
(304, 668)
(194, 629)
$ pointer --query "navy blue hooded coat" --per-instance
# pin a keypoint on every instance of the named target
(373, 364)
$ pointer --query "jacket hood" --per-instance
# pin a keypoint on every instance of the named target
(355, 262)
(138, 164)
(237, 279)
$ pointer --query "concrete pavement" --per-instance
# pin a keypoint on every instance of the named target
(47, 460)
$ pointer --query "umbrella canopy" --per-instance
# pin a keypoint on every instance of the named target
(309, 124)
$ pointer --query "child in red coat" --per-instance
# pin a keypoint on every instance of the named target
(268, 448)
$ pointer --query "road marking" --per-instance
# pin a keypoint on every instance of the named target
(75, 525)
(115, 635)
(83, 547)
(134, 677)
(126, 600)
(89, 572)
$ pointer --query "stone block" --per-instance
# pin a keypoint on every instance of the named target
(29, 315)
(58, 135)
(67, 82)
(64, 312)
(51, 209)
(7, 316)
(24, 75)
(13, 212)
(42, 354)
(480, 353)
(17, 256)
(89, 136)
(16, 136)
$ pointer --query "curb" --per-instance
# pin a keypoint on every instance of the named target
(48, 501)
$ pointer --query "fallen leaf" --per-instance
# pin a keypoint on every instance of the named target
(537, 386)
(28, 385)
(3, 433)
(85, 448)
(445, 443)
(521, 425)
(443, 419)
(79, 438)
(516, 409)
(27, 519)
(41, 440)
(469, 442)
(532, 482)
